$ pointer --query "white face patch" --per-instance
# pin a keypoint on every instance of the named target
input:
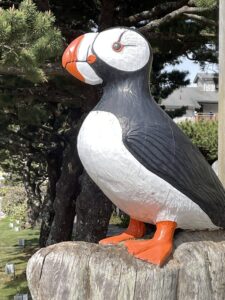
(85, 46)
(88, 73)
(133, 55)
(82, 65)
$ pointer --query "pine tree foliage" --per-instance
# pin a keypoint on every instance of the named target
(28, 38)
(206, 3)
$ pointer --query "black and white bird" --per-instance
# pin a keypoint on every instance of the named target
(134, 152)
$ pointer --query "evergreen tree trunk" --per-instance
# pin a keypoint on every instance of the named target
(93, 210)
(67, 189)
(54, 163)
(107, 14)
(34, 202)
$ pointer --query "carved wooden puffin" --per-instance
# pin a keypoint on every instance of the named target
(134, 152)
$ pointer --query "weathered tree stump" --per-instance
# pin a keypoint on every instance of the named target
(79, 270)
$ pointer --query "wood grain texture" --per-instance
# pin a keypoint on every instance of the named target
(83, 271)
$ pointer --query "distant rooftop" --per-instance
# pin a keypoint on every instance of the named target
(193, 97)
(205, 77)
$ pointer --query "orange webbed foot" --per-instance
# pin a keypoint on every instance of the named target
(113, 240)
(135, 247)
(158, 249)
(136, 229)
(157, 254)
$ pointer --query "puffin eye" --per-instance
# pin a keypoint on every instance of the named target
(117, 46)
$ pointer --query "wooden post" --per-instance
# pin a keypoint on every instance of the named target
(79, 270)
(221, 117)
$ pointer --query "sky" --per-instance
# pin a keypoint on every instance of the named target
(193, 68)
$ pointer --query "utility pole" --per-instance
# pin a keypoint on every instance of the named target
(221, 130)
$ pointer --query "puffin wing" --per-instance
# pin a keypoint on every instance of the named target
(168, 153)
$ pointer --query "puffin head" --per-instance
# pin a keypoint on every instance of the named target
(92, 57)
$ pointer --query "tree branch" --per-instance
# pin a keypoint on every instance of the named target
(50, 69)
(106, 16)
(189, 57)
(156, 11)
(171, 16)
(171, 36)
(201, 19)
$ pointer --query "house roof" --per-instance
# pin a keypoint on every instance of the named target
(205, 76)
(191, 97)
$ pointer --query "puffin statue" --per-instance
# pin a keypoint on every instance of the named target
(134, 152)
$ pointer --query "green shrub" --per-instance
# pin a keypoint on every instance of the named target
(14, 202)
(204, 134)
(120, 219)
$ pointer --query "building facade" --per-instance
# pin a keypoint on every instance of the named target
(203, 98)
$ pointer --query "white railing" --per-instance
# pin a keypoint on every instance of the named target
(206, 117)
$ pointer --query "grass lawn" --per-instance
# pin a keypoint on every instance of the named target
(10, 252)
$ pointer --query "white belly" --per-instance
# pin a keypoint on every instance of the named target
(129, 185)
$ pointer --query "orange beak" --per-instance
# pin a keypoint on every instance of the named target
(69, 58)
